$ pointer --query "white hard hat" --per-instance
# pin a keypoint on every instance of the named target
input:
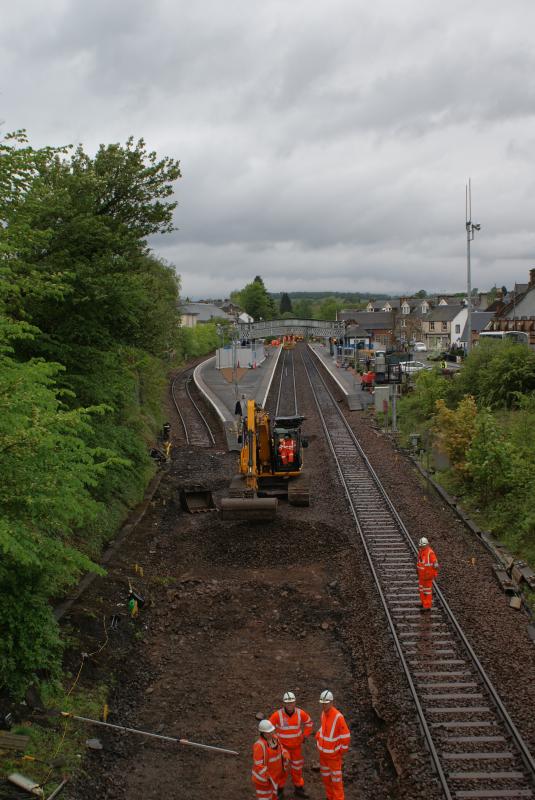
(265, 726)
(423, 542)
(326, 696)
(288, 697)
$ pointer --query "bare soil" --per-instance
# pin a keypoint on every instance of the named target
(236, 614)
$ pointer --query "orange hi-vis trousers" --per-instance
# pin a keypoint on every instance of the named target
(297, 762)
(426, 592)
(265, 791)
(331, 775)
(427, 568)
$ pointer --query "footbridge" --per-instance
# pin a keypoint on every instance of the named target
(290, 327)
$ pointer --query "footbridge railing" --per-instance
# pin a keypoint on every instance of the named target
(290, 327)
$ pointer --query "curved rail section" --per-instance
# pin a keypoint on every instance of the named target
(196, 428)
(476, 750)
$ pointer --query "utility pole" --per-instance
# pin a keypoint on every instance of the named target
(235, 363)
(470, 232)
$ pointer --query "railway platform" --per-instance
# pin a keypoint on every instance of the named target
(346, 379)
(222, 391)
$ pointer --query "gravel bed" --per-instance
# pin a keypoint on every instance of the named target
(497, 632)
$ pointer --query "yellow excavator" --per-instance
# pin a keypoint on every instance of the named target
(271, 466)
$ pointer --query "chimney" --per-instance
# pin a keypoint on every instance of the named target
(532, 277)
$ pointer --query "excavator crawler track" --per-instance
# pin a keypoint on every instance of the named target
(299, 491)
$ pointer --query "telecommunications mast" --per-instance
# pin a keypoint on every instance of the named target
(470, 231)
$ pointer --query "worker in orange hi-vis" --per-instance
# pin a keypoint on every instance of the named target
(332, 740)
(270, 763)
(293, 726)
(289, 445)
(427, 566)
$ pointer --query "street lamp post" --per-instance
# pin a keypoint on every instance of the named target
(470, 232)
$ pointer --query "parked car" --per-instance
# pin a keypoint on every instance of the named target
(412, 366)
(445, 355)
(419, 347)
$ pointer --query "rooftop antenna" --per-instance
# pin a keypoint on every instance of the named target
(470, 232)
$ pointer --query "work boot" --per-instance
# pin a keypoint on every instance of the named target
(299, 791)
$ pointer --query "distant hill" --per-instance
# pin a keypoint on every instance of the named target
(346, 296)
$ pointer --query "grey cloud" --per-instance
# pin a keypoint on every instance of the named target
(323, 144)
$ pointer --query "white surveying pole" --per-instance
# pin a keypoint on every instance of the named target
(470, 229)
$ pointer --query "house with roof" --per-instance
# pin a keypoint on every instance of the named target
(391, 304)
(480, 321)
(412, 311)
(193, 314)
(379, 325)
(523, 301)
(443, 325)
(229, 307)
(518, 314)
(410, 317)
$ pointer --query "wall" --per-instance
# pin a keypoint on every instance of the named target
(245, 356)
(189, 320)
(460, 320)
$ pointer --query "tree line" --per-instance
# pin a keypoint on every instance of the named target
(261, 304)
(88, 322)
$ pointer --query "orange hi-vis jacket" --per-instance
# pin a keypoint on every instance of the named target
(427, 564)
(269, 763)
(333, 736)
(287, 450)
(292, 730)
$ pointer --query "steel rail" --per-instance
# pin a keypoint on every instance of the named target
(293, 377)
(419, 710)
(283, 366)
(206, 425)
(199, 412)
(527, 757)
(502, 713)
(183, 421)
(281, 382)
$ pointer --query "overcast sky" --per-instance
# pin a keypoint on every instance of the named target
(324, 144)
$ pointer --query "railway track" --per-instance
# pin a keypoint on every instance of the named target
(475, 748)
(286, 405)
(196, 429)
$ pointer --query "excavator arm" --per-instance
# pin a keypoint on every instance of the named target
(254, 453)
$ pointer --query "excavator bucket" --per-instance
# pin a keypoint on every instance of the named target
(196, 499)
(250, 509)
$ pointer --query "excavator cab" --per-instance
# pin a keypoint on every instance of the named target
(271, 466)
(288, 444)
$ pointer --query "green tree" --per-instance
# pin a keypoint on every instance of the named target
(328, 308)
(285, 303)
(255, 300)
(455, 430)
(303, 309)
(87, 318)
(491, 459)
(496, 373)
(48, 474)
